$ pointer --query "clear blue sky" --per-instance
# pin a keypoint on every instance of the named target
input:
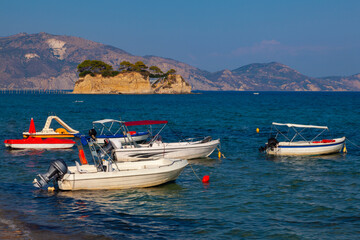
(316, 37)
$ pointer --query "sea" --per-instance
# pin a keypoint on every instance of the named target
(249, 195)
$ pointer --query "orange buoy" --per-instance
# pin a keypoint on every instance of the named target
(206, 179)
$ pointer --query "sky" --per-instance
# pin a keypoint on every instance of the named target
(318, 38)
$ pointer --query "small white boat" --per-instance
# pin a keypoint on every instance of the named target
(112, 129)
(124, 175)
(107, 174)
(289, 147)
(156, 148)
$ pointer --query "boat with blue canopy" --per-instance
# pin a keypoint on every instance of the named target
(112, 129)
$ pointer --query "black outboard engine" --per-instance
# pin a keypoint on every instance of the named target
(92, 133)
(57, 170)
(272, 143)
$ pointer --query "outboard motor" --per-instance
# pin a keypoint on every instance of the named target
(272, 143)
(92, 133)
(57, 170)
(262, 149)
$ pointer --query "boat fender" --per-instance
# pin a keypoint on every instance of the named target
(82, 157)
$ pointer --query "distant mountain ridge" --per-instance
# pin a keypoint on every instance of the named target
(46, 61)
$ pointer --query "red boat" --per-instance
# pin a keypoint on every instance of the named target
(38, 143)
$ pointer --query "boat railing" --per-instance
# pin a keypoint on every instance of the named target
(297, 134)
(100, 154)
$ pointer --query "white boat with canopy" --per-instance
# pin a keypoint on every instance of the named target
(112, 129)
(156, 148)
(105, 173)
(291, 146)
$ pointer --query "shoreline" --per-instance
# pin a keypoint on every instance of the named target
(12, 227)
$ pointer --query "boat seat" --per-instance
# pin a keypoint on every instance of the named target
(85, 168)
(115, 143)
(79, 169)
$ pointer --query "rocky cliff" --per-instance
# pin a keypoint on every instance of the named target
(45, 61)
(131, 83)
(173, 84)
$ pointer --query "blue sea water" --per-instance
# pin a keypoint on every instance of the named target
(250, 196)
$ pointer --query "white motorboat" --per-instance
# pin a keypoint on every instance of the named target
(159, 149)
(290, 147)
(111, 129)
(156, 148)
(124, 175)
(107, 174)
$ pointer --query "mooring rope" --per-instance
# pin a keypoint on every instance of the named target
(353, 143)
(195, 173)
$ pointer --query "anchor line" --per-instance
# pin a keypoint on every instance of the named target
(195, 173)
(353, 143)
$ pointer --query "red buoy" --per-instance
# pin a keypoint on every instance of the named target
(206, 179)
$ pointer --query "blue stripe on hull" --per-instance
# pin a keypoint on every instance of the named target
(308, 146)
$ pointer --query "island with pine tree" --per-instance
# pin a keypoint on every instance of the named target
(97, 77)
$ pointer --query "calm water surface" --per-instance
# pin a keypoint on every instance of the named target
(250, 196)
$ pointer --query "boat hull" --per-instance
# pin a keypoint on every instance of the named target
(39, 143)
(131, 175)
(306, 148)
(182, 150)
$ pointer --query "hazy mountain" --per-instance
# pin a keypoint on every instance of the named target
(45, 61)
(278, 77)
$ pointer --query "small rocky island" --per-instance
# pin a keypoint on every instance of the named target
(96, 77)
